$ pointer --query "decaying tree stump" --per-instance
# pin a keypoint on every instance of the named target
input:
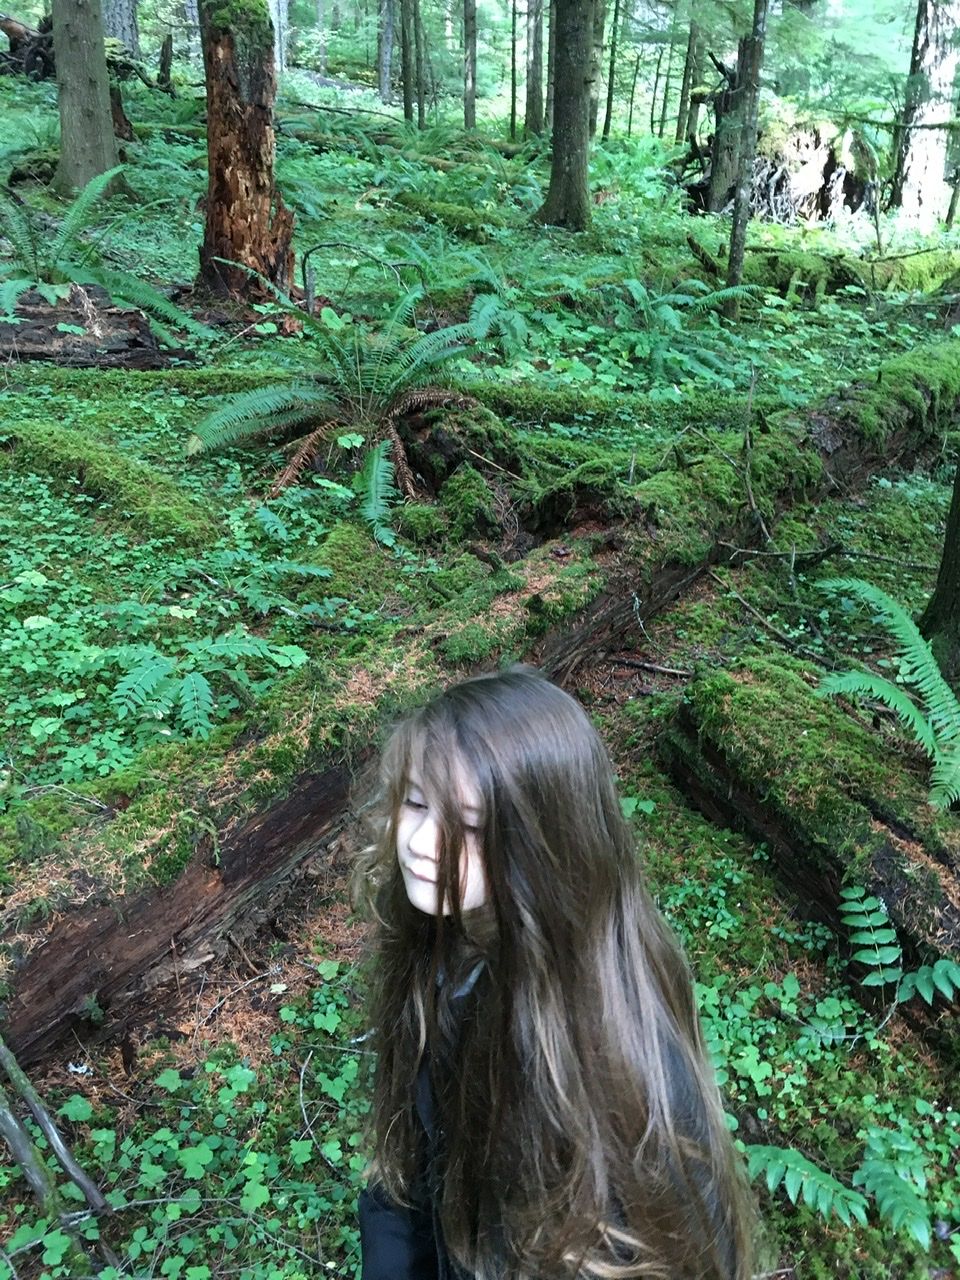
(755, 748)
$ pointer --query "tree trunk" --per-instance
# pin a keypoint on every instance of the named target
(954, 201)
(87, 142)
(246, 221)
(918, 181)
(656, 86)
(407, 57)
(551, 63)
(599, 8)
(661, 129)
(689, 65)
(385, 51)
(633, 94)
(941, 618)
(120, 23)
(469, 64)
(164, 81)
(614, 31)
(279, 16)
(418, 49)
(533, 114)
(191, 21)
(122, 128)
(752, 62)
(513, 70)
(729, 106)
(568, 196)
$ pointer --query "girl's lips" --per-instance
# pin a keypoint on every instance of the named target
(419, 874)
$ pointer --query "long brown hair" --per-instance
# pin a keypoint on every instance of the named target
(583, 1131)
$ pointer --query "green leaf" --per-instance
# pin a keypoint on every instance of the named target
(255, 1195)
(76, 1108)
(195, 1159)
(169, 1080)
(196, 704)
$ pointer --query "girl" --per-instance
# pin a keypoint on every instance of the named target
(543, 1108)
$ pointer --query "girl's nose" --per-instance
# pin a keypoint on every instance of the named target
(423, 841)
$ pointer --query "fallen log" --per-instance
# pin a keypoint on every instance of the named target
(755, 748)
(667, 526)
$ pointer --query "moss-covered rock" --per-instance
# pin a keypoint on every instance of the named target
(468, 503)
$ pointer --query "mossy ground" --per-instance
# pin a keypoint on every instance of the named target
(590, 445)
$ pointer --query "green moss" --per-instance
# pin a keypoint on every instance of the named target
(128, 489)
(463, 220)
(468, 504)
(471, 644)
(422, 523)
(916, 393)
(358, 562)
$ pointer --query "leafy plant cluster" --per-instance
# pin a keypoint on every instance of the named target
(258, 1167)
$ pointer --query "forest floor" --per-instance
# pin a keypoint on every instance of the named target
(624, 424)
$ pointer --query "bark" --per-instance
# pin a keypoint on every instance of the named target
(918, 182)
(513, 70)
(633, 94)
(191, 18)
(653, 95)
(407, 58)
(165, 65)
(469, 64)
(941, 618)
(164, 935)
(120, 23)
(122, 128)
(752, 62)
(533, 114)
(385, 50)
(567, 203)
(599, 8)
(614, 32)
(689, 70)
(279, 16)
(418, 61)
(87, 142)
(246, 221)
(551, 63)
(661, 128)
(954, 202)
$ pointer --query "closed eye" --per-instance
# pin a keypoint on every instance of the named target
(415, 804)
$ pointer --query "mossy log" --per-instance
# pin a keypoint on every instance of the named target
(754, 747)
(100, 964)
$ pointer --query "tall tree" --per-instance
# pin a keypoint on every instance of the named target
(513, 69)
(661, 129)
(120, 23)
(690, 70)
(921, 153)
(599, 9)
(611, 76)
(407, 57)
(752, 58)
(280, 17)
(87, 143)
(941, 618)
(533, 114)
(385, 49)
(567, 203)
(551, 62)
(191, 19)
(246, 221)
(469, 64)
(419, 41)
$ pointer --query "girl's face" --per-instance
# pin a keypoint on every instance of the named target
(418, 847)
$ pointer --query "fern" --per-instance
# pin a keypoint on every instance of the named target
(253, 412)
(78, 216)
(937, 726)
(873, 934)
(898, 1199)
(141, 683)
(196, 704)
(377, 490)
(801, 1178)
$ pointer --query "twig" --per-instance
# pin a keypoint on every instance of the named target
(768, 626)
(251, 967)
(490, 463)
(340, 111)
(9, 1262)
(236, 990)
(824, 553)
(652, 666)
